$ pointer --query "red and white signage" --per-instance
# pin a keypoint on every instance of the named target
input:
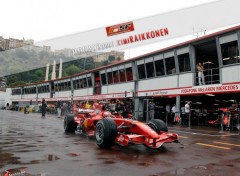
(105, 96)
(120, 28)
(207, 89)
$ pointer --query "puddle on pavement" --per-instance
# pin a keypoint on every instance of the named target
(143, 164)
(73, 154)
(8, 158)
(85, 151)
(177, 172)
(109, 162)
(25, 151)
(201, 167)
(6, 143)
(51, 158)
(46, 159)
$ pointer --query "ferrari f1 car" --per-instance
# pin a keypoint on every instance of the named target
(111, 129)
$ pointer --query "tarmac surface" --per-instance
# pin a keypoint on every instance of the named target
(33, 146)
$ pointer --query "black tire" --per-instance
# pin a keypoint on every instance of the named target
(158, 125)
(69, 124)
(105, 133)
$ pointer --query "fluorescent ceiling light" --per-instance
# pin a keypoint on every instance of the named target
(210, 95)
(208, 62)
(227, 58)
(237, 57)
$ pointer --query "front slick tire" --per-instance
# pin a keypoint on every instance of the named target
(69, 124)
(158, 125)
(105, 133)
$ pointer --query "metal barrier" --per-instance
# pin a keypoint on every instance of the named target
(211, 76)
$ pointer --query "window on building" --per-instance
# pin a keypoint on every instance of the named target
(62, 86)
(30, 90)
(129, 74)
(103, 79)
(56, 87)
(150, 69)
(184, 62)
(170, 65)
(110, 77)
(89, 79)
(74, 84)
(34, 90)
(84, 82)
(122, 75)
(78, 81)
(230, 53)
(69, 85)
(116, 76)
(141, 71)
(16, 91)
(159, 65)
(43, 89)
(81, 83)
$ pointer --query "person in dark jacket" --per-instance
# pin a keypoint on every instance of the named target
(44, 108)
(119, 107)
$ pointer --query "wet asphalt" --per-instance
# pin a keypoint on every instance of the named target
(33, 146)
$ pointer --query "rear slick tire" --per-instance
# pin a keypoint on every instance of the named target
(69, 124)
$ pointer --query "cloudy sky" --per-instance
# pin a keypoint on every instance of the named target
(46, 19)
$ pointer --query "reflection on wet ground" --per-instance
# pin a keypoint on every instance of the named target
(46, 159)
(40, 145)
(7, 158)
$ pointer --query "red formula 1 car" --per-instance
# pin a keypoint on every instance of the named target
(109, 129)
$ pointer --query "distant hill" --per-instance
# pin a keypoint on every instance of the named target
(25, 66)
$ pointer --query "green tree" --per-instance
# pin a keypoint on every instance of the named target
(89, 63)
(111, 58)
(118, 58)
(17, 83)
(72, 69)
(11, 79)
(106, 62)
(39, 73)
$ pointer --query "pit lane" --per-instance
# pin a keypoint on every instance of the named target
(31, 145)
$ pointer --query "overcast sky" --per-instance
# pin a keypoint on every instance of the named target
(47, 19)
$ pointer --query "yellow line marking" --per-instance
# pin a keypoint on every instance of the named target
(215, 146)
(183, 136)
(236, 145)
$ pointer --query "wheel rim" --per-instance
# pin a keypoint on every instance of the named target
(99, 132)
